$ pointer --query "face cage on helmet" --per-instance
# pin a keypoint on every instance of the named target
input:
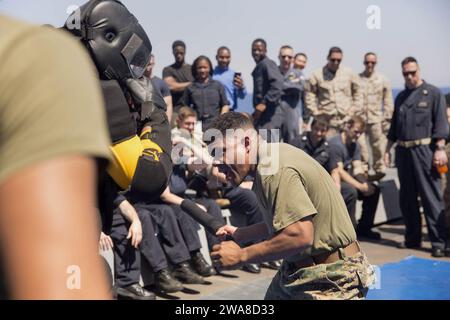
(137, 56)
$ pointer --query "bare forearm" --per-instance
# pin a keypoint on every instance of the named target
(128, 211)
(199, 151)
(286, 243)
(43, 231)
(171, 198)
(346, 177)
(254, 232)
(336, 177)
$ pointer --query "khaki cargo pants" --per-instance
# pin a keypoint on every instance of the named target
(349, 278)
(377, 142)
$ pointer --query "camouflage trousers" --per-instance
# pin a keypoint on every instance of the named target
(345, 279)
(377, 141)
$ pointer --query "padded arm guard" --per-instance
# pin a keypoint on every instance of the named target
(210, 223)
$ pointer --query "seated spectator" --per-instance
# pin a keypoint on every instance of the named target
(178, 237)
(161, 243)
(314, 143)
(332, 156)
(243, 203)
(205, 95)
(122, 232)
(354, 184)
(181, 246)
(189, 228)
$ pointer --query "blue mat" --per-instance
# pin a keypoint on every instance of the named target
(413, 279)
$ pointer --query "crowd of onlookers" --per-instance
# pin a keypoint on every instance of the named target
(347, 122)
(335, 116)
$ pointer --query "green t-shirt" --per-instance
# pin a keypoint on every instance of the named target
(50, 98)
(291, 186)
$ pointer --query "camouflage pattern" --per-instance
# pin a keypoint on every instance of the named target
(334, 96)
(378, 104)
(377, 109)
(347, 279)
(378, 142)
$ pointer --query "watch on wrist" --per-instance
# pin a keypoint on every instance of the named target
(440, 147)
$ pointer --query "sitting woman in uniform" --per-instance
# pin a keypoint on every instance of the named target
(205, 95)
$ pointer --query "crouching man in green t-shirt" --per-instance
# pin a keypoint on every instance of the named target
(306, 222)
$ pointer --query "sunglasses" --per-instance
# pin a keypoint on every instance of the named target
(370, 62)
(289, 57)
(409, 73)
(336, 60)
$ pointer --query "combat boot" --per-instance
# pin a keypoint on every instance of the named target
(252, 267)
(201, 266)
(376, 177)
(437, 252)
(274, 265)
(164, 281)
(135, 292)
(185, 274)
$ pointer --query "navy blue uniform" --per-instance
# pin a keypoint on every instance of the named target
(420, 113)
(127, 261)
(347, 154)
(207, 99)
(268, 89)
(321, 152)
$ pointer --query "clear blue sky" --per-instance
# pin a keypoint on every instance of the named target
(408, 27)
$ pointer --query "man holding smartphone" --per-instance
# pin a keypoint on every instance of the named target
(231, 80)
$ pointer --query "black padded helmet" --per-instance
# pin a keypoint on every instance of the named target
(116, 41)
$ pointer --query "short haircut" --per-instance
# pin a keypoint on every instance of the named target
(320, 122)
(178, 43)
(447, 100)
(232, 120)
(223, 48)
(260, 40)
(409, 60)
(286, 46)
(197, 61)
(356, 120)
(334, 50)
(301, 54)
(186, 112)
(369, 54)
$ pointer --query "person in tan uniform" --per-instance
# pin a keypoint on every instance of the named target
(334, 92)
(306, 222)
(377, 109)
